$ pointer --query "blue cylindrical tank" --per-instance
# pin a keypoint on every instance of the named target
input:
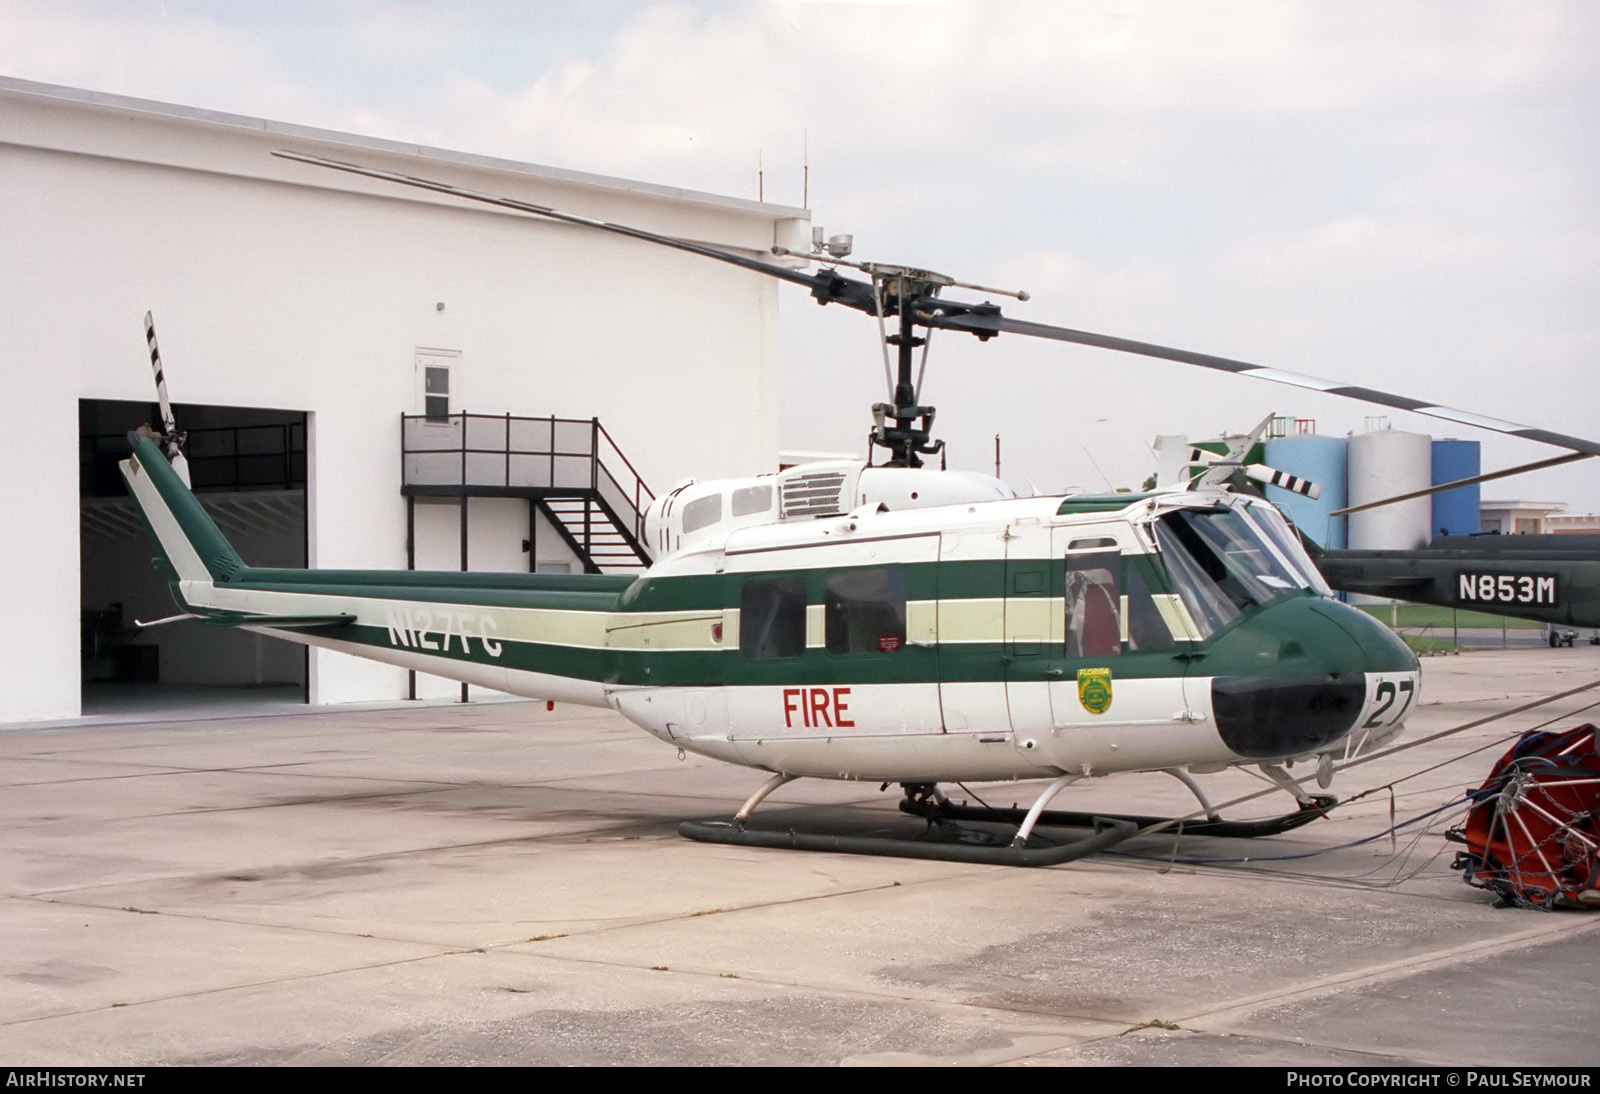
(1322, 460)
(1456, 511)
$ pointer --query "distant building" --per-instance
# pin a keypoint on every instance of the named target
(301, 313)
(1563, 522)
(1518, 517)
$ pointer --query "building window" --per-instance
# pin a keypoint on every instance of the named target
(772, 617)
(436, 393)
(864, 611)
(438, 380)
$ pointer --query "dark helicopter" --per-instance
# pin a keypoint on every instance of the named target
(1554, 579)
(1551, 579)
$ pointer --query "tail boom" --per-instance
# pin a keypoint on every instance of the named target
(540, 636)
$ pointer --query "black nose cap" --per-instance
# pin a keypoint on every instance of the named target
(1268, 717)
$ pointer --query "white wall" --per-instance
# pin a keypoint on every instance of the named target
(278, 284)
(496, 528)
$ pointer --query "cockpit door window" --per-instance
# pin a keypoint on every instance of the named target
(1221, 564)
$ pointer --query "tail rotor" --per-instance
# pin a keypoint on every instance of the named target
(169, 438)
(1210, 470)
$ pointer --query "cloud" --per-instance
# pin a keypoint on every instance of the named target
(1394, 194)
(145, 52)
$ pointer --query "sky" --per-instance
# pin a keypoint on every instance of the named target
(1400, 195)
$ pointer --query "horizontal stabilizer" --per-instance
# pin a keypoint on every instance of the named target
(287, 622)
(1353, 578)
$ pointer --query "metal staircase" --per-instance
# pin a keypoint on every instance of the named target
(568, 469)
(593, 534)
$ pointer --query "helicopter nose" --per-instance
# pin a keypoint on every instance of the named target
(1293, 679)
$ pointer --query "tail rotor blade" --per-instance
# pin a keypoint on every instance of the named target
(1260, 472)
(171, 438)
(168, 425)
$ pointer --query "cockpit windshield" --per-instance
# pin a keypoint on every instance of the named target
(1278, 531)
(1221, 564)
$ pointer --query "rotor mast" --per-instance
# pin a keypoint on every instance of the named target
(903, 425)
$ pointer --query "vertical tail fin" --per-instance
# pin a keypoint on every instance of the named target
(190, 543)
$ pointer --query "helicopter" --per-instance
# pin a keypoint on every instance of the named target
(891, 622)
(1552, 579)
(1549, 578)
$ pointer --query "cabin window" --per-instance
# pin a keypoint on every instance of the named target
(702, 513)
(772, 617)
(864, 611)
(749, 500)
(1093, 605)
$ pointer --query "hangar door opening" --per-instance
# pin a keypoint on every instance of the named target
(248, 466)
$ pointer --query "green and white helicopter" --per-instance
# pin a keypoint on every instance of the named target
(893, 623)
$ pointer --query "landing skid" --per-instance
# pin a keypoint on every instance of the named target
(1107, 834)
(947, 841)
(947, 810)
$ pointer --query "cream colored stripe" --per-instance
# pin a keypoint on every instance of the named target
(816, 630)
(624, 620)
(984, 620)
(972, 620)
(1028, 619)
(1176, 616)
(550, 626)
(688, 632)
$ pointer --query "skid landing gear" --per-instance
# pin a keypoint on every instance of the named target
(948, 811)
(927, 801)
(944, 840)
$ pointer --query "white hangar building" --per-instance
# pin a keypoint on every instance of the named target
(301, 313)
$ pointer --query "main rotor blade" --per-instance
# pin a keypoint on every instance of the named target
(987, 324)
(828, 286)
(1537, 465)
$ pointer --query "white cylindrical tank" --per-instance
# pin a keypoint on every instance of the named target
(1383, 464)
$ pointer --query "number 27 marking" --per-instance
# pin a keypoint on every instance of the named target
(1387, 693)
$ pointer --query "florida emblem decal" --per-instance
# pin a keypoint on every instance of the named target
(1094, 690)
